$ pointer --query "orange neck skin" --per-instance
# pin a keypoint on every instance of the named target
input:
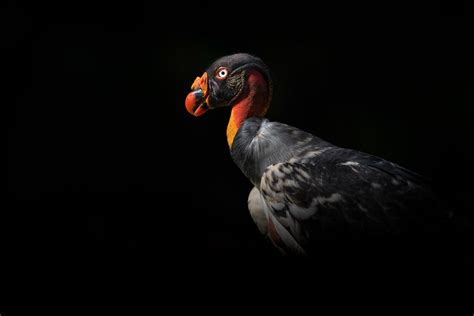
(255, 103)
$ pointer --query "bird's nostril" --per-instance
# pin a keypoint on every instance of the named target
(198, 94)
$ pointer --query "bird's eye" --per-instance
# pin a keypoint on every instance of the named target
(221, 73)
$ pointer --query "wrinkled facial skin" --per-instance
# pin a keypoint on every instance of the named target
(223, 83)
(222, 92)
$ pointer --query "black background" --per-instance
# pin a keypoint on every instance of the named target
(104, 160)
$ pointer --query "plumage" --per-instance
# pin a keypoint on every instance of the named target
(316, 190)
(313, 197)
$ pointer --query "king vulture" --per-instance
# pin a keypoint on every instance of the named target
(311, 197)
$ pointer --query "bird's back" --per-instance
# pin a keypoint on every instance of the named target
(330, 199)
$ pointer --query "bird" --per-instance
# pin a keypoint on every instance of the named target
(311, 197)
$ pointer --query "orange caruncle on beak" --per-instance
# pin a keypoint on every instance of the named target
(196, 101)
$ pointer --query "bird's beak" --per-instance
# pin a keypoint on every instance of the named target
(196, 101)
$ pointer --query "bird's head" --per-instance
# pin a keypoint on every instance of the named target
(227, 81)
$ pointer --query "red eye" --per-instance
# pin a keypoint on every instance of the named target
(222, 73)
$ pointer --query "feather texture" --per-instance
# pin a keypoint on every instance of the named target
(313, 191)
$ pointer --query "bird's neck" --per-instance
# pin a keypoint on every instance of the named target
(254, 103)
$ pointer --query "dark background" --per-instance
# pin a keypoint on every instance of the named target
(104, 160)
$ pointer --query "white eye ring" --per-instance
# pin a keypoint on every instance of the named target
(222, 73)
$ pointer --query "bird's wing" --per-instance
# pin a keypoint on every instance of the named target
(257, 210)
(269, 226)
(344, 193)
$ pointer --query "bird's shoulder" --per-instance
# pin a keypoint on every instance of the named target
(260, 143)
